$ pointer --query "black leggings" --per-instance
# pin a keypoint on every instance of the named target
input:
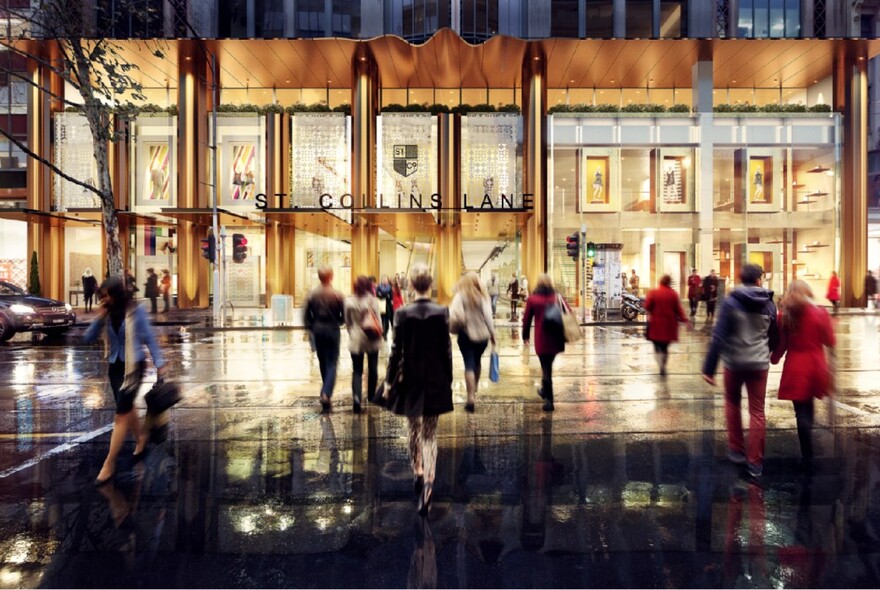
(804, 412)
(547, 374)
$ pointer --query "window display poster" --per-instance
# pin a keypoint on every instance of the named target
(407, 160)
(760, 170)
(597, 180)
(489, 158)
(673, 181)
(158, 176)
(75, 155)
(320, 151)
(243, 171)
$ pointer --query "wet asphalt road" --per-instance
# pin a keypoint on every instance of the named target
(625, 485)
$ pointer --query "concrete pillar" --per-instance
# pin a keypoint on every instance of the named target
(193, 273)
(702, 96)
(851, 98)
(534, 88)
(365, 107)
(449, 228)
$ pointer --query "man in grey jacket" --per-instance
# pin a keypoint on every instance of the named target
(743, 338)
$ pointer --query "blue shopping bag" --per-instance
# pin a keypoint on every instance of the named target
(494, 370)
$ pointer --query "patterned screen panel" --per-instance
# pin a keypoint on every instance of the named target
(492, 150)
(75, 156)
(406, 160)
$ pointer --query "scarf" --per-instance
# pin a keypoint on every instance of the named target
(131, 368)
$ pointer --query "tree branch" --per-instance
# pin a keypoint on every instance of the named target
(31, 154)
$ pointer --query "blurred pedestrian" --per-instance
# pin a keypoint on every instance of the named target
(364, 337)
(710, 294)
(396, 297)
(131, 282)
(745, 334)
(513, 293)
(420, 366)
(470, 316)
(323, 314)
(165, 288)
(833, 294)
(695, 291)
(871, 290)
(127, 330)
(804, 333)
(151, 289)
(664, 313)
(634, 283)
(548, 343)
(384, 294)
(524, 286)
(89, 285)
(493, 288)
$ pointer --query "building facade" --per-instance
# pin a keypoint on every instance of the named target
(469, 135)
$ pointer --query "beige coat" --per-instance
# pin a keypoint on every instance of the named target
(356, 309)
(475, 322)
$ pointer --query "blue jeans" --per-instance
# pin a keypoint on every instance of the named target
(471, 353)
(357, 377)
(494, 299)
(327, 349)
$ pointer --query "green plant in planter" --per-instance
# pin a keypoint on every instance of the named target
(34, 287)
(342, 108)
(272, 109)
(437, 108)
(509, 108)
(462, 109)
(483, 108)
(680, 108)
(819, 108)
(607, 108)
(559, 108)
(415, 108)
(393, 108)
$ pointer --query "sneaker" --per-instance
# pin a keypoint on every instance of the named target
(736, 457)
(754, 471)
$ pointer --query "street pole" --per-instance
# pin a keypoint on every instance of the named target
(219, 296)
(583, 260)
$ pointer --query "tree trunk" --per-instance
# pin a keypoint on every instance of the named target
(113, 250)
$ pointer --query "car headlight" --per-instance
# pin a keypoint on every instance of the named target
(68, 307)
(22, 309)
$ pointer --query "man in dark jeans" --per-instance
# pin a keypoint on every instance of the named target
(744, 337)
(323, 315)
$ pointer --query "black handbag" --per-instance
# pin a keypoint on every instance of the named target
(162, 396)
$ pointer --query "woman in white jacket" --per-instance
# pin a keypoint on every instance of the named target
(362, 310)
(470, 316)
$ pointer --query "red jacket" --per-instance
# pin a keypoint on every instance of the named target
(664, 313)
(833, 289)
(695, 286)
(545, 343)
(805, 373)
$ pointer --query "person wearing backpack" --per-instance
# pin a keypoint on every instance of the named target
(549, 335)
(364, 337)
(470, 316)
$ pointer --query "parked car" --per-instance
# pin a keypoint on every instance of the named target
(22, 312)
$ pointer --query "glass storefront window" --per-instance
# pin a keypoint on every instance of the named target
(600, 19)
(564, 18)
(673, 19)
(639, 19)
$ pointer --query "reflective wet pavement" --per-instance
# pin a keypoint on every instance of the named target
(625, 485)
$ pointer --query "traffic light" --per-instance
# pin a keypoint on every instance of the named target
(573, 245)
(209, 248)
(591, 249)
(239, 247)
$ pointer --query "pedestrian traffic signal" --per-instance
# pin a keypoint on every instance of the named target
(591, 249)
(209, 248)
(573, 245)
(239, 247)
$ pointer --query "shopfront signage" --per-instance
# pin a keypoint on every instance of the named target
(411, 202)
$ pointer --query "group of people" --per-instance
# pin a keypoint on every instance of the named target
(750, 335)
(703, 289)
(153, 288)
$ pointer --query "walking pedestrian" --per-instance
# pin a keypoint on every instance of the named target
(420, 365)
(89, 285)
(127, 330)
(151, 289)
(384, 294)
(710, 295)
(871, 290)
(833, 294)
(470, 316)
(493, 288)
(745, 334)
(664, 313)
(804, 333)
(361, 313)
(396, 296)
(524, 286)
(695, 291)
(323, 314)
(165, 288)
(131, 282)
(634, 283)
(548, 343)
(513, 293)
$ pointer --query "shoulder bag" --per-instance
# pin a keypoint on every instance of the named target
(371, 325)
(570, 325)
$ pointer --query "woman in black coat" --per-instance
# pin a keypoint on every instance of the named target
(420, 366)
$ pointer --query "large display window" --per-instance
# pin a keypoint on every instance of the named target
(241, 168)
(74, 153)
(154, 182)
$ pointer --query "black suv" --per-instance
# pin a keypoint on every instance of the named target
(21, 312)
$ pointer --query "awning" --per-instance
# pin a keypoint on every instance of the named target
(43, 217)
(313, 220)
(205, 216)
(406, 225)
(492, 223)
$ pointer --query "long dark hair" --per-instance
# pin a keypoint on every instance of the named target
(118, 295)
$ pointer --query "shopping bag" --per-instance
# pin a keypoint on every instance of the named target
(494, 368)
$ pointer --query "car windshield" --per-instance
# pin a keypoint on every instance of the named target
(7, 289)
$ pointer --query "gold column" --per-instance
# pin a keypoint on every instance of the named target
(275, 168)
(851, 97)
(44, 238)
(192, 270)
(534, 88)
(364, 235)
(449, 231)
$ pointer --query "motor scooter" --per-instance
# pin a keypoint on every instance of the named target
(632, 307)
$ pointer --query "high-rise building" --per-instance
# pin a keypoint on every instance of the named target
(468, 134)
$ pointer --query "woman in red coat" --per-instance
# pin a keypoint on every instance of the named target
(804, 332)
(833, 294)
(664, 313)
(548, 343)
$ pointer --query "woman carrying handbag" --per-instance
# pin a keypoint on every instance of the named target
(128, 330)
(364, 338)
(549, 340)
(470, 316)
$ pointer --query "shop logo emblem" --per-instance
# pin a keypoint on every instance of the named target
(406, 159)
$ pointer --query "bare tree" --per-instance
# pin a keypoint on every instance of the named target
(89, 59)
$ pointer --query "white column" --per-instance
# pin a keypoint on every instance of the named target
(702, 96)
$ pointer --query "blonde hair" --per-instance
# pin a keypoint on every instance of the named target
(421, 278)
(796, 299)
(471, 288)
(545, 283)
